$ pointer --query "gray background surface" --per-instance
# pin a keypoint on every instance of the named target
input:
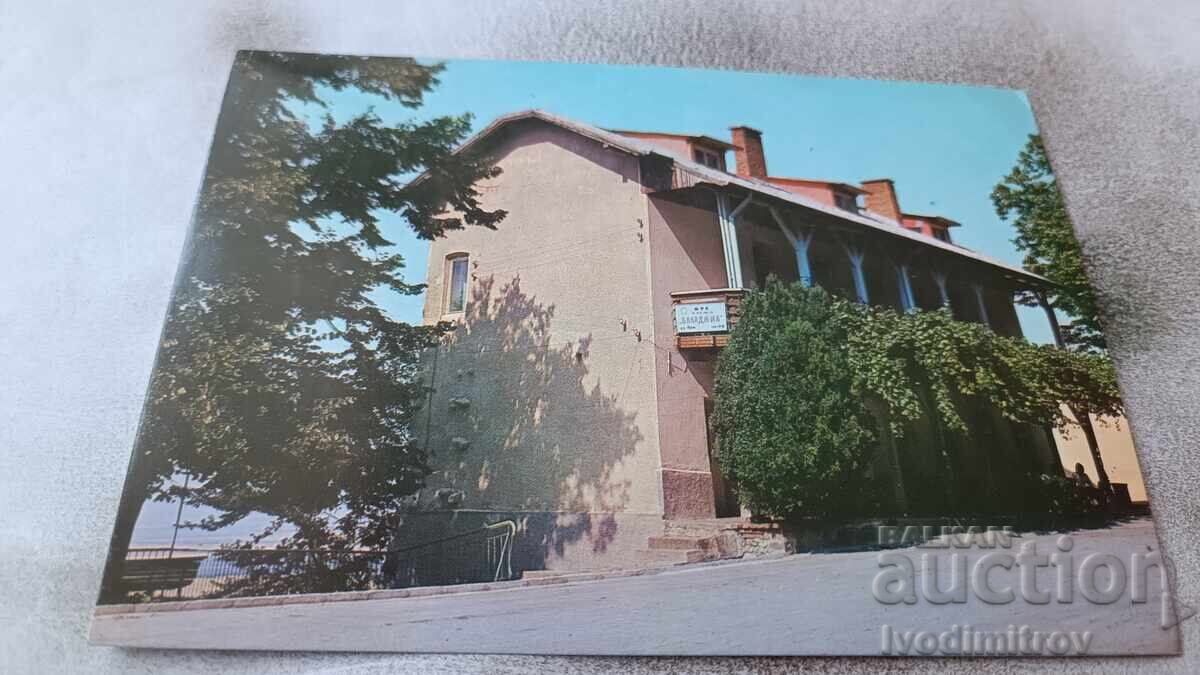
(106, 115)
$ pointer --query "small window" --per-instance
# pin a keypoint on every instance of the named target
(707, 158)
(762, 264)
(942, 234)
(457, 300)
(845, 202)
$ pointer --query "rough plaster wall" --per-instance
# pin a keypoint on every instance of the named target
(109, 108)
(574, 427)
(686, 255)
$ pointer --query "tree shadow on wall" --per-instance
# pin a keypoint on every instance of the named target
(519, 426)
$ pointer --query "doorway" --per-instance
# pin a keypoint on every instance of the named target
(724, 490)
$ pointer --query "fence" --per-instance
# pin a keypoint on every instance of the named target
(162, 574)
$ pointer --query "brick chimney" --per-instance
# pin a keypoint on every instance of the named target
(881, 198)
(751, 161)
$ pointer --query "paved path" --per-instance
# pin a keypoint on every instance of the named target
(803, 604)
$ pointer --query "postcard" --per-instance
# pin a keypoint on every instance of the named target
(540, 358)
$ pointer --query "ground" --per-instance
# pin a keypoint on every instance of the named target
(799, 604)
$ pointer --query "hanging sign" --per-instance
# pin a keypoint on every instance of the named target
(701, 317)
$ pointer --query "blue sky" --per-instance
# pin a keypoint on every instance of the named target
(945, 146)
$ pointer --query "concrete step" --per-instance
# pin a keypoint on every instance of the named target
(677, 543)
(700, 527)
(542, 574)
(670, 556)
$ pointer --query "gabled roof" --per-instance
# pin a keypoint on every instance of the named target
(868, 220)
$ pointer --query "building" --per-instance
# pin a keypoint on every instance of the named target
(1117, 450)
(574, 394)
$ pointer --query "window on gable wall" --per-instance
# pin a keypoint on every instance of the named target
(706, 157)
(942, 234)
(456, 300)
(845, 202)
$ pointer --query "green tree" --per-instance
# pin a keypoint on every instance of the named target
(280, 386)
(789, 427)
(1030, 197)
(899, 355)
(791, 420)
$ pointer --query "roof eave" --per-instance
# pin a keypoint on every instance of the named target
(874, 221)
(718, 178)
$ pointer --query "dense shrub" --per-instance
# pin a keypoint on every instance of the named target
(788, 424)
(792, 420)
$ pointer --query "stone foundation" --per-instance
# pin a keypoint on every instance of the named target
(687, 494)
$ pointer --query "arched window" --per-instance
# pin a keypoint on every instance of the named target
(456, 283)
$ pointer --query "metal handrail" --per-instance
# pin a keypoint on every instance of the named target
(498, 547)
(504, 546)
(171, 574)
(460, 535)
